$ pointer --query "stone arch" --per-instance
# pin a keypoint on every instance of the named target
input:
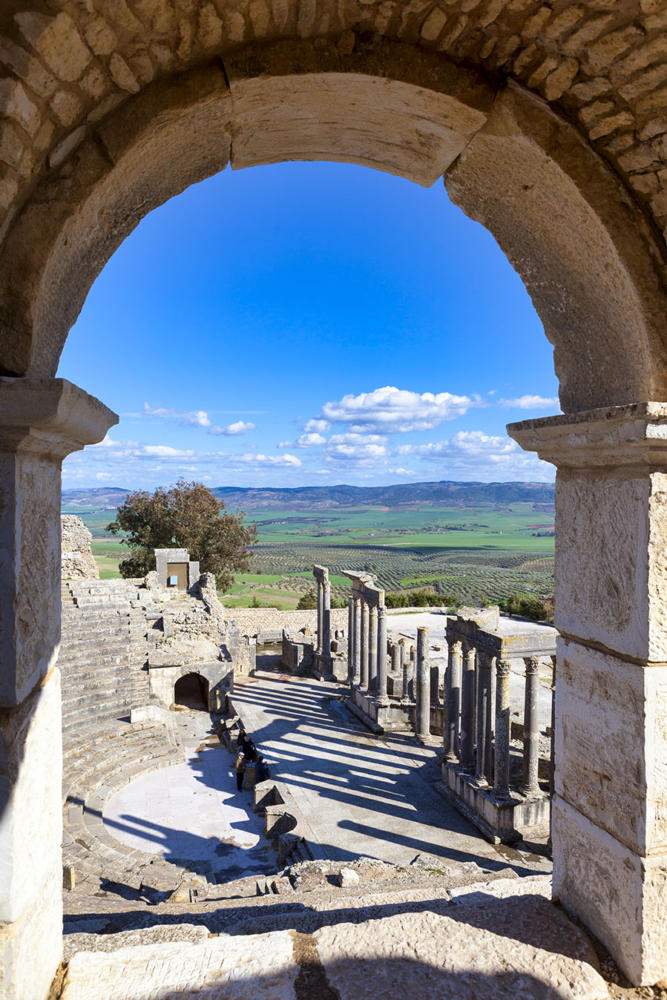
(191, 689)
(577, 231)
(584, 250)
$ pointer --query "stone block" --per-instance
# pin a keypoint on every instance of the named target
(610, 739)
(605, 557)
(31, 947)
(618, 894)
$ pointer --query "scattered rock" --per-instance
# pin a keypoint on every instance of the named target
(346, 878)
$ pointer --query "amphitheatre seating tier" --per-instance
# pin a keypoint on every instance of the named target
(103, 650)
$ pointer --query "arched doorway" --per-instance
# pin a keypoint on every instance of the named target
(191, 690)
(87, 162)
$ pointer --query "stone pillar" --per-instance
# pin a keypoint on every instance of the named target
(501, 784)
(320, 615)
(395, 658)
(372, 648)
(423, 675)
(468, 710)
(453, 701)
(41, 421)
(364, 645)
(325, 644)
(610, 802)
(490, 722)
(405, 659)
(350, 640)
(357, 639)
(483, 712)
(531, 730)
(382, 655)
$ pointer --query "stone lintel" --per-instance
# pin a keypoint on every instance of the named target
(50, 416)
(321, 574)
(630, 434)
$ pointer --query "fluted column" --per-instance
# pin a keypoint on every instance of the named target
(468, 710)
(501, 784)
(382, 655)
(364, 645)
(423, 675)
(453, 701)
(372, 648)
(531, 731)
(483, 711)
(357, 639)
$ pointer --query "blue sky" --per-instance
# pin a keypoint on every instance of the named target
(309, 323)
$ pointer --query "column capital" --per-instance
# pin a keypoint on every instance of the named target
(631, 434)
(50, 417)
(532, 664)
(503, 666)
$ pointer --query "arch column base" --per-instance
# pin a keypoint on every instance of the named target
(41, 421)
(609, 818)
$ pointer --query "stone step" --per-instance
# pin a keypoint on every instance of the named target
(516, 947)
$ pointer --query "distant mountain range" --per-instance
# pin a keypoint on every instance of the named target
(323, 497)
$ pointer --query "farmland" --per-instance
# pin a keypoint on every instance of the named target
(467, 552)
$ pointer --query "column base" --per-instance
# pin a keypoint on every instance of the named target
(501, 820)
(381, 717)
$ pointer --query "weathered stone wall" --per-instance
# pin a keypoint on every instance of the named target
(78, 562)
(250, 621)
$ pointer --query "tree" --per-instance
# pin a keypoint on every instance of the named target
(307, 601)
(187, 516)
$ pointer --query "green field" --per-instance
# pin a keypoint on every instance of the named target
(469, 553)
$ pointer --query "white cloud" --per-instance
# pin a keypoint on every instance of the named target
(250, 458)
(286, 444)
(481, 456)
(391, 410)
(317, 426)
(529, 402)
(311, 440)
(238, 427)
(356, 448)
(164, 451)
(194, 418)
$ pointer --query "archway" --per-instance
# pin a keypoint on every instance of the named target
(191, 690)
(589, 253)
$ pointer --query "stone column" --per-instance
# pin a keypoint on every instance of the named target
(490, 722)
(350, 640)
(364, 645)
(325, 644)
(41, 421)
(405, 660)
(423, 676)
(483, 712)
(320, 615)
(382, 655)
(372, 648)
(395, 658)
(501, 784)
(531, 731)
(357, 639)
(468, 710)
(610, 802)
(453, 701)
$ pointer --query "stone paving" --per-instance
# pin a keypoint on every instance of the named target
(521, 948)
(358, 794)
(192, 813)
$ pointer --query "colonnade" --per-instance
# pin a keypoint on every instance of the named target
(477, 730)
(367, 637)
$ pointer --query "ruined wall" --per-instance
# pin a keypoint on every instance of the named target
(250, 621)
(78, 562)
